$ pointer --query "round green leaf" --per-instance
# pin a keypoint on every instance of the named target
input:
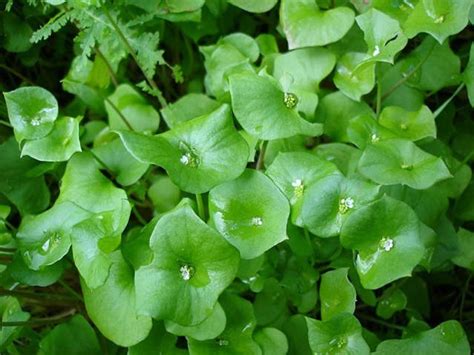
(392, 300)
(446, 338)
(59, 145)
(468, 76)
(305, 25)
(32, 111)
(16, 32)
(254, 6)
(365, 129)
(341, 334)
(192, 265)
(465, 257)
(294, 173)
(46, 276)
(197, 154)
(112, 306)
(398, 161)
(10, 311)
(387, 241)
(412, 125)
(265, 111)
(250, 212)
(337, 294)
(272, 341)
(330, 200)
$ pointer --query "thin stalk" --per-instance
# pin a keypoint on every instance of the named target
(71, 290)
(380, 322)
(7, 250)
(61, 317)
(108, 65)
(130, 49)
(446, 103)
(463, 297)
(261, 155)
(33, 295)
(16, 73)
(122, 117)
(200, 205)
(378, 104)
(138, 216)
(9, 225)
(6, 124)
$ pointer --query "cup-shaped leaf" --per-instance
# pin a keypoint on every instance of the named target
(112, 306)
(250, 212)
(271, 341)
(198, 154)
(412, 125)
(341, 334)
(398, 161)
(265, 111)
(302, 17)
(365, 129)
(192, 265)
(337, 294)
(331, 200)
(32, 111)
(386, 237)
(294, 173)
(392, 300)
(254, 6)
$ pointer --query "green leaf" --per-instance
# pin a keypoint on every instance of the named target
(192, 265)
(272, 341)
(440, 19)
(366, 129)
(337, 294)
(10, 311)
(305, 25)
(74, 337)
(294, 173)
(398, 161)
(112, 306)
(253, 6)
(198, 154)
(412, 125)
(392, 300)
(237, 337)
(187, 108)
(127, 104)
(296, 331)
(468, 76)
(353, 78)
(386, 238)
(210, 328)
(331, 200)
(465, 257)
(265, 111)
(382, 34)
(59, 145)
(32, 111)
(341, 334)
(446, 338)
(16, 33)
(250, 212)
(48, 275)
(164, 194)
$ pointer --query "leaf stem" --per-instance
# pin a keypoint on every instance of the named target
(61, 317)
(130, 49)
(200, 206)
(463, 297)
(380, 322)
(6, 124)
(378, 104)
(261, 155)
(7, 250)
(138, 216)
(122, 117)
(16, 73)
(70, 290)
(446, 103)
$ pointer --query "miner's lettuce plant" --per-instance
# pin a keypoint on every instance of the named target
(236, 177)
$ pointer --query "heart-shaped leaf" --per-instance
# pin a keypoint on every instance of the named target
(192, 265)
(265, 111)
(250, 212)
(271, 341)
(254, 6)
(32, 111)
(337, 294)
(353, 78)
(386, 238)
(197, 154)
(398, 161)
(305, 25)
(365, 129)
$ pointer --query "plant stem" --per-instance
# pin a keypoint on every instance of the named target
(17, 74)
(122, 117)
(446, 103)
(381, 322)
(71, 290)
(61, 317)
(261, 155)
(463, 297)
(200, 205)
(37, 296)
(6, 124)
(7, 250)
(108, 65)
(130, 49)
(378, 104)
(138, 216)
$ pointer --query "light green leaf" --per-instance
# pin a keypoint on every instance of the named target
(158, 338)
(250, 212)
(296, 331)
(386, 238)
(398, 161)
(272, 341)
(365, 129)
(32, 111)
(127, 104)
(254, 6)
(75, 337)
(465, 257)
(446, 338)
(48, 275)
(192, 265)
(352, 78)
(10, 311)
(331, 200)
(294, 173)
(59, 145)
(341, 334)
(337, 294)
(112, 306)
(391, 301)
(198, 154)
(412, 125)
(440, 19)
(210, 328)
(164, 194)
(468, 76)
(305, 25)
(265, 111)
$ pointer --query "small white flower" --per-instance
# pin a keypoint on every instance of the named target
(297, 183)
(257, 221)
(386, 244)
(345, 204)
(35, 122)
(376, 51)
(45, 246)
(186, 272)
(185, 159)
